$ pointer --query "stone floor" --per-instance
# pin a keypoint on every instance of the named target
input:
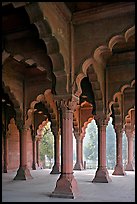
(38, 189)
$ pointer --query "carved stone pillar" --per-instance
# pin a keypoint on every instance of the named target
(5, 152)
(23, 172)
(78, 165)
(119, 170)
(5, 140)
(82, 153)
(37, 153)
(129, 165)
(56, 166)
(34, 154)
(102, 175)
(66, 185)
(33, 150)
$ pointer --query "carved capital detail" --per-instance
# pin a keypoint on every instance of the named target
(118, 130)
(67, 102)
(101, 119)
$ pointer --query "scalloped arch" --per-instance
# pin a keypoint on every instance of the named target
(40, 98)
(116, 39)
(45, 34)
(85, 126)
(40, 128)
(128, 119)
(12, 97)
(101, 54)
(129, 33)
(117, 94)
(78, 82)
(88, 62)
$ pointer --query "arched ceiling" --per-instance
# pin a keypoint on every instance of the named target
(21, 40)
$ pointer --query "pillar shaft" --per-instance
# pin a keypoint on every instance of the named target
(129, 165)
(78, 165)
(102, 175)
(5, 154)
(66, 185)
(56, 166)
(119, 170)
(23, 172)
(82, 163)
(34, 154)
(37, 152)
(67, 143)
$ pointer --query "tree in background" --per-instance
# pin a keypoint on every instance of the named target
(91, 144)
(46, 147)
(110, 145)
(124, 149)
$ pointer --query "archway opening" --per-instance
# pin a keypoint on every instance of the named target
(47, 147)
(90, 146)
(44, 137)
(110, 145)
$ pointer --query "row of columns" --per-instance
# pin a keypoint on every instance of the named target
(66, 185)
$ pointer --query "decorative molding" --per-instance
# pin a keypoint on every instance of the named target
(106, 11)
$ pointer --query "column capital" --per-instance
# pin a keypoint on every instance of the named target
(77, 136)
(118, 130)
(129, 133)
(101, 119)
(68, 101)
(21, 126)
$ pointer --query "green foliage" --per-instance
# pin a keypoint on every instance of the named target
(46, 146)
(91, 143)
(124, 149)
(110, 145)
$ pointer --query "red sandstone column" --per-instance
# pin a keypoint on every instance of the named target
(5, 153)
(78, 165)
(56, 167)
(23, 172)
(102, 175)
(129, 166)
(82, 153)
(34, 153)
(5, 140)
(119, 170)
(33, 149)
(66, 185)
(37, 153)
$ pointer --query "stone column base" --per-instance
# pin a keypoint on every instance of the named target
(66, 187)
(34, 166)
(129, 167)
(55, 169)
(102, 176)
(78, 166)
(119, 170)
(23, 173)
